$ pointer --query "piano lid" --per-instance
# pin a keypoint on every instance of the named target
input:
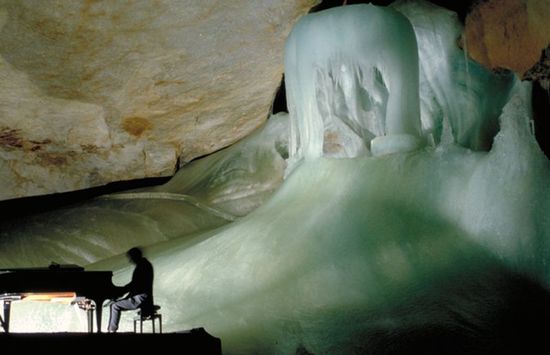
(52, 267)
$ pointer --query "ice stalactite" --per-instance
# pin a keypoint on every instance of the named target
(352, 83)
(454, 88)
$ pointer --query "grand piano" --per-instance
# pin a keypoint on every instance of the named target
(88, 288)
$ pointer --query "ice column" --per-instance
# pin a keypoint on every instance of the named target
(352, 83)
(454, 88)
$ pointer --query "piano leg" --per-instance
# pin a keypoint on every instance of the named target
(98, 311)
(6, 321)
(90, 316)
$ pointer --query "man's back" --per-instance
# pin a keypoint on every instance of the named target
(142, 278)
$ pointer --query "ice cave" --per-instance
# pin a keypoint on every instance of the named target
(398, 207)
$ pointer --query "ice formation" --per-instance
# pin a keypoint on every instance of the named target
(453, 88)
(352, 83)
(439, 248)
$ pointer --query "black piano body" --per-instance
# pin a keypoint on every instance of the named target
(94, 285)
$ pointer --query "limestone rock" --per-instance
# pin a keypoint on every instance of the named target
(98, 91)
(508, 34)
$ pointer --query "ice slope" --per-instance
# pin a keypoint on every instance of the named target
(350, 254)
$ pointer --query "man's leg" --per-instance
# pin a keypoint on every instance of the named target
(125, 304)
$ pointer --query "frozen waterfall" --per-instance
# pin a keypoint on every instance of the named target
(352, 83)
(413, 220)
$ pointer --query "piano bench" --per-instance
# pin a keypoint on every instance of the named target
(145, 317)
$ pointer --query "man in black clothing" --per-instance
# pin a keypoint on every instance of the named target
(140, 289)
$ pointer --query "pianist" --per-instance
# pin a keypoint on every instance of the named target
(140, 289)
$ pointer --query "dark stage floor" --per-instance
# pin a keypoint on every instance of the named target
(195, 341)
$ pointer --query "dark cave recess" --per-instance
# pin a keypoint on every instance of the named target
(26, 206)
(461, 7)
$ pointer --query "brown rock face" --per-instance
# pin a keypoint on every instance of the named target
(99, 91)
(508, 34)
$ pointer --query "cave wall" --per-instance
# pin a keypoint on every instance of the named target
(93, 92)
(508, 34)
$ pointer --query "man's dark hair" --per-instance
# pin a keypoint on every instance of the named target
(135, 253)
